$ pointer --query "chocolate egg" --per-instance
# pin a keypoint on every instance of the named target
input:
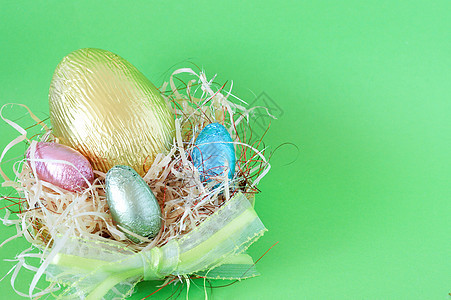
(49, 160)
(132, 203)
(213, 153)
(102, 106)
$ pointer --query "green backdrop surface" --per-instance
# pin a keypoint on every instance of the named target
(362, 89)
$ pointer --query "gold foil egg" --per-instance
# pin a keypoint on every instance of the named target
(102, 106)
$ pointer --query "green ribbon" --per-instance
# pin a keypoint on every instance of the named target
(214, 249)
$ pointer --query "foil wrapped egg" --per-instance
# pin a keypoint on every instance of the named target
(102, 106)
(132, 203)
(61, 166)
(213, 153)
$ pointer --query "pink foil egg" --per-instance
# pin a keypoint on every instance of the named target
(59, 173)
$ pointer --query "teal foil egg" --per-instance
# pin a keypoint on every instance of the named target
(132, 203)
(213, 153)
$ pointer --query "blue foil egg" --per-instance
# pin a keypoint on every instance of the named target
(132, 203)
(213, 153)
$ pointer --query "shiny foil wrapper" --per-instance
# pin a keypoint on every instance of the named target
(102, 106)
(50, 159)
(132, 203)
(213, 153)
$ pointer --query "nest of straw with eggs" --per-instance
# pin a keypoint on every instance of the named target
(47, 210)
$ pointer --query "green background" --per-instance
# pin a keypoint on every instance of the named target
(364, 211)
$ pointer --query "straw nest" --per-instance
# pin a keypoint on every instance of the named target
(47, 211)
